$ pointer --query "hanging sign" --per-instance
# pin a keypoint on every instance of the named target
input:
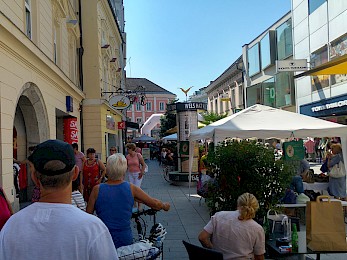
(119, 102)
(121, 125)
(70, 130)
(294, 150)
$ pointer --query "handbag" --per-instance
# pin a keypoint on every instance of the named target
(308, 176)
(325, 227)
(338, 170)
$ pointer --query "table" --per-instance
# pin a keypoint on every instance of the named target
(273, 250)
(317, 186)
(303, 205)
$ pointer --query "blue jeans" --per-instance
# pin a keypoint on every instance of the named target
(297, 184)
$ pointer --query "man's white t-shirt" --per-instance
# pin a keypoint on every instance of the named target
(236, 239)
(55, 231)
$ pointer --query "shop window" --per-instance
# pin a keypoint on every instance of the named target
(338, 48)
(284, 40)
(269, 94)
(253, 60)
(28, 18)
(254, 95)
(314, 4)
(317, 58)
(284, 89)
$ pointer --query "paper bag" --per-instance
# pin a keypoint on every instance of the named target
(325, 227)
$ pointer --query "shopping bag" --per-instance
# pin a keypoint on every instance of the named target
(338, 170)
(325, 227)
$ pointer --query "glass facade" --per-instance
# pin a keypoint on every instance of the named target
(317, 58)
(284, 89)
(284, 40)
(253, 60)
(314, 4)
(337, 49)
(254, 95)
(269, 94)
(265, 51)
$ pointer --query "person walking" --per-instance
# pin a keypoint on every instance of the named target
(93, 172)
(80, 160)
(53, 228)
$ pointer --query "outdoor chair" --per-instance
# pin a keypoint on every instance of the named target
(201, 253)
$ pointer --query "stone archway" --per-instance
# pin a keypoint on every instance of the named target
(31, 125)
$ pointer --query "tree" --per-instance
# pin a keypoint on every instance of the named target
(167, 121)
(246, 166)
(210, 117)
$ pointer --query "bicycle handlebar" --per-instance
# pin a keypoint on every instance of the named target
(149, 212)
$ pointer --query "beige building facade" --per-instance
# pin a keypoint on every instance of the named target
(39, 79)
(103, 41)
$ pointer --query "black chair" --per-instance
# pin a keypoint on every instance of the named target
(201, 253)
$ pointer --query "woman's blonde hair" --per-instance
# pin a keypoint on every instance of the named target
(248, 205)
(131, 146)
(116, 167)
(337, 148)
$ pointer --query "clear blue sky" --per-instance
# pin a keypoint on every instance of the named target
(183, 43)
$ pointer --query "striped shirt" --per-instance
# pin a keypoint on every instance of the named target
(77, 200)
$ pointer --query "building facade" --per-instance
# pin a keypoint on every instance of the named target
(199, 96)
(263, 85)
(104, 57)
(320, 37)
(156, 99)
(225, 94)
(39, 81)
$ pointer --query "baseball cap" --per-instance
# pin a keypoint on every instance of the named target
(53, 150)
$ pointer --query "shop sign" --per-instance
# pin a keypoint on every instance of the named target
(70, 130)
(225, 97)
(119, 102)
(294, 150)
(121, 125)
(110, 123)
(291, 65)
(331, 105)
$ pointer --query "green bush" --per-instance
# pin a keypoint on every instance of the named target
(245, 166)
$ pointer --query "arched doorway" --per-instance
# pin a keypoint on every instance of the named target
(30, 127)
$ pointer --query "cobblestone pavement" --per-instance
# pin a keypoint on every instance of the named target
(184, 220)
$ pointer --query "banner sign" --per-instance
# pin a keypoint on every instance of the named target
(294, 150)
(119, 102)
(70, 130)
(225, 97)
(189, 106)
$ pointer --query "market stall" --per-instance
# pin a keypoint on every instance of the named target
(267, 122)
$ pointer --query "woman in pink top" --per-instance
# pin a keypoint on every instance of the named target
(136, 165)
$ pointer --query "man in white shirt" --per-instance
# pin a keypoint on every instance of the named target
(52, 228)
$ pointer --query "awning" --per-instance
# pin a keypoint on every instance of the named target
(336, 66)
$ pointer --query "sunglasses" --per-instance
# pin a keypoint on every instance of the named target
(112, 150)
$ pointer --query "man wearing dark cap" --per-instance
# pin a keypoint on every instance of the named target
(52, 228)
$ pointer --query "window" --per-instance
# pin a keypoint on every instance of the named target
(314, 4)
(284, 40)
(337, 49)
(28, 18)
(139, 120)
(161, 106)
(253, 60)
(269, 94)
(265, 51)
(284, 86)
(233, 98)
(317, 58)
(254, 95)
(56, 43)
(240, 95)
(216, 105)
(138, 107)
(149, 106)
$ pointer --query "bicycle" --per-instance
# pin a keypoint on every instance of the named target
(150, 247)
(166, 169)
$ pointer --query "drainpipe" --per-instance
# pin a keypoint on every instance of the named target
(80, 55)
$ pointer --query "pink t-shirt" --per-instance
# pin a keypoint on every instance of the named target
(78, 158)
(134, 163)
(236, 239)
